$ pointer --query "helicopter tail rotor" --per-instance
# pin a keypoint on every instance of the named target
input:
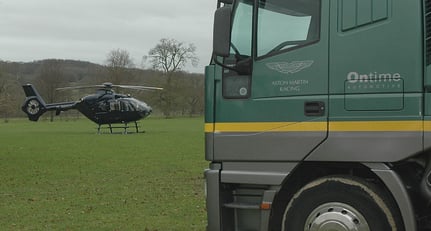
(34, 106)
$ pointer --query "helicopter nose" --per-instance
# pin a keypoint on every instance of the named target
(150, 110)
(147, 111)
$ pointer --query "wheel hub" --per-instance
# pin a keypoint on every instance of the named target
(336, 216)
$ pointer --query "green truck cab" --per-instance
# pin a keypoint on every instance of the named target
(317, 115)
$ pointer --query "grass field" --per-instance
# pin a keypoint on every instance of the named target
(64, 176)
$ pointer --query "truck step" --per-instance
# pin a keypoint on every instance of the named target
(242, 205)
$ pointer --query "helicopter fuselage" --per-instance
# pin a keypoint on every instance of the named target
(107, 107)
(103, 107)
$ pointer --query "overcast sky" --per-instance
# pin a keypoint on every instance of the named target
(88, 29)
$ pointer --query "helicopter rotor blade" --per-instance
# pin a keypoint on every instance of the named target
(79, 87)
(141, 88)
(110, 86)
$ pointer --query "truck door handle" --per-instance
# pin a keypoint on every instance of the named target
(314, 108)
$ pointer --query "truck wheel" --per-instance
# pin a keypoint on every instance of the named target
(341, 203)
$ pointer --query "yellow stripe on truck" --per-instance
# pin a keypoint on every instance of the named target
(342, 126)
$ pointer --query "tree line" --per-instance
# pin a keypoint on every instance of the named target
(183, 92)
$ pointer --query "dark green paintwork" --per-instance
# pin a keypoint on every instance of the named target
(209, 93)
(368, 37)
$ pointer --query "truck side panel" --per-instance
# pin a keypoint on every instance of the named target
(376, 76)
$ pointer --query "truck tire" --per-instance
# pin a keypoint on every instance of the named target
(341, 203)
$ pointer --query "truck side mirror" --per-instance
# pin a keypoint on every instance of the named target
(222, 31)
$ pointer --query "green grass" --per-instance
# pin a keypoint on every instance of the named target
(64, 176)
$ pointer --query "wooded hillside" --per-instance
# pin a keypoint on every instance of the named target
(182, 95)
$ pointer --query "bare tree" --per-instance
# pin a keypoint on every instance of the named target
(171, 56)
(6, 99)
(117, 62)
(195, 95)
(49, 79)
(11, 96)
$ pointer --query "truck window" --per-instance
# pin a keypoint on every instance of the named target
(242, 28)
(286, 24)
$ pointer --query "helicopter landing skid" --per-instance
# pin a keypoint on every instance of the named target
(124, 126)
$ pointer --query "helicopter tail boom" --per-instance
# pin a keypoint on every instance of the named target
(34, 106)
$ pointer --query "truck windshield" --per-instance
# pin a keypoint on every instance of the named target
(284, 24)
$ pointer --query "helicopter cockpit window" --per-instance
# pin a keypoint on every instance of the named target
(127, 106)
(138, 105)
(115, 105)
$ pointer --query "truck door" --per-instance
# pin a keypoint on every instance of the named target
(273, 106)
